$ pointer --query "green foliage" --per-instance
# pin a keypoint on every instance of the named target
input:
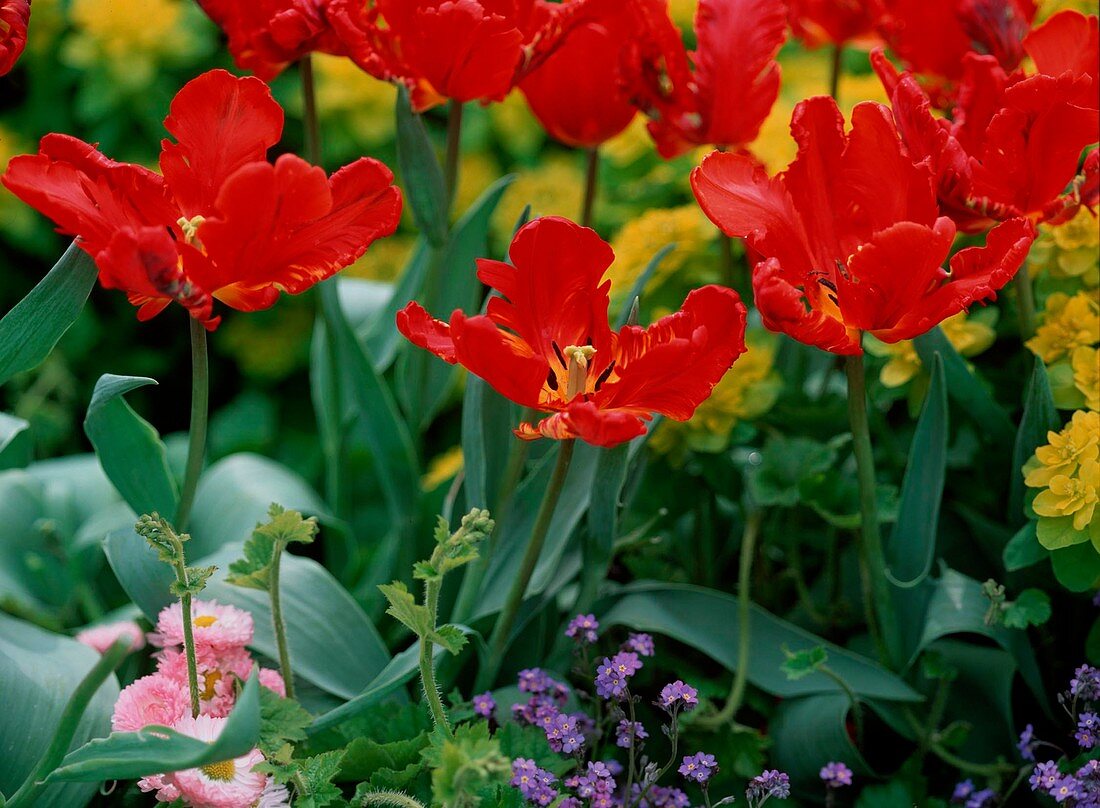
(800, 664)
(310, 777)
(283, 723)
(468, 767)
(267, 540)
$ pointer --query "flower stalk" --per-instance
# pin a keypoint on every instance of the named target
(454, 150)
(200, 412)
(502, 630)
(591, 183)
(280, 623)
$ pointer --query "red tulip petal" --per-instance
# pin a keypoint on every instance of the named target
(424, 331)
(784, 309)
(1068, 42)
(14, 18)
(586, 421)
(501, 359)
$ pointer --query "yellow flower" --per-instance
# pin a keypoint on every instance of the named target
(682, 12)
(553, 188)
(629, 146)
(1068, 323)
(640, 239)
(442, 469)
(970, 336)
(1048, 8)
(362, 103)
(15, 217)
(477, 172)
(1070, 250)
(1069, 496)
(1086, 375)
(1078, 443)
(516, 127)
(746, 392)
(384, 261)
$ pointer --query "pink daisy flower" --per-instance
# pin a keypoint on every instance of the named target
(166, 792)
(225, 784)
(274, 796)
(273, 680)
(217, 627)
(153, 699)
(218, 674)
(103, 636)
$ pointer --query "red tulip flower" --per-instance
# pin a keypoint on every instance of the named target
(934, 36)
(15, 15)
(464, 50)
(817, 22)
(545, 342)
(266, 35)
(579, 92)
(723, 94)
(1014, 145)
(221, 223)
(849, 235)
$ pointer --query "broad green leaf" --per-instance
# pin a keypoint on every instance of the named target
(639, 285)
(1023, 549)
(30, 330)
(382, 339)
(965, 388)
(153, 750)
(706, 620)
(332, 642)
(452, 283)
(1077, 568)
(810, 731)
(421, 175)
(38, 673)
(1040, 416)
(785, 462)
(16, 443)
(24, 576)
(487, 442)
(129, 448)
(365, 756)
(1058, 532)
(800, 664)
(912, 546)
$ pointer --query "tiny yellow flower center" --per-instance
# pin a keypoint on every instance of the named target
(210, 681)
(205, 620)
(224, 771)
(190, 227)
(577, 356)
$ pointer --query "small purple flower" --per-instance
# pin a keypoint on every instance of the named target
(1026, 744)
(659, 797)
(1065, 788)
(563, 734)
(535, 784)
(1085, 683)
(1044, 776)
(570, 802)
(534, 680)
(962, 791)
(583, 628)
(596, 783)
(769, 783)
(835, 775)
(627, 732)
(641, 644)
(1096, 599)
(985, 798)
(678, 696)
(613, 675)
(698, 767)
(1087, 726)
(485, 705)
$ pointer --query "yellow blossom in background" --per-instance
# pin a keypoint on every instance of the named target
(1086, 375)
(1077, 443)
(629, 146)
(1071, 496)
(270, 344)
(1069, 251)
(682, 12)
(1067, 470)
(130, 38)
(16, 219)
(442, 468)
(553, 188)
(384, 261)
(970, 335)
(1068, 323)
(1048, 8)
(640, 239)
(515, 126)
(477, 172)
(746, 392)
(49, 23)
(360, 102)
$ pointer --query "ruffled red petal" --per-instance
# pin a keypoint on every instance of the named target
(817, 22)
(586, 421)
(424, 331)
(784, 309)
(221, 123)
(1069, 42)
(15, 16)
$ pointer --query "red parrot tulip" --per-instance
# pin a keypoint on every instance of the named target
(1069, 43)
(15, 15)
(464, 50)
(266, 35)
(723, 95)
(545, 342)
(849, 235)
(221, 223)
(817, 22)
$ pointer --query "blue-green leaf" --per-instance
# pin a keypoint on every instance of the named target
(16, 443)
(1040, 416)
(912, 546)
(640, 284)
(30, 330)
(809, 732)
(382, 338)
(421, 176)
(129, 448)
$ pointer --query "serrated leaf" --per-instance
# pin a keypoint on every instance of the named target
(1031, 608)
(196, 581)
(442, 530)
(424, 571)
(450, 637)
(317, 773)
(281, 721)
(802, 663)
(404, 608)
(253, 571)
(287, 527)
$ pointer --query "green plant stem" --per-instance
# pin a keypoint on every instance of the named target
(951, 759)
(744, 615)
(395, 798)
(454, 150)
(427, 662)
(188, 636)
(870, 548)
(836, 68)
(853, 700)
(309, 110)
(279, 622)
(502, 630)
(591, 183)
(27, 793)
(1025, 303)
(200, 412)
(633, 742)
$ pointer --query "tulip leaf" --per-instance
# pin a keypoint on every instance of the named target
(965, 388)
(1040, 416)
(912, 546)
(129, 448)
(421, 176)
(16, 442)
(706, 620)
(156, 749)
(30, 330)
(810, 731)
(382, 338)
(487, 442)
(639, 285)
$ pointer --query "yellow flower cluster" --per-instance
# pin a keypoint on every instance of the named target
(640, 239)
(1067, 341)
(1069, 252)
(1067, 470)
(745, 393)
(553, 188)
(362, 104)
(16, 219)
(970, 335)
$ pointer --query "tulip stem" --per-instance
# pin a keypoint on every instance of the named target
(1025, 303)
(309, 110)
(836, 68)
(498, 642)
(591, 181)
(277, 620)
(881, 620)
(200, 407)
(454, 150)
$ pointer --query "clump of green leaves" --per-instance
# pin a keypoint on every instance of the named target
(268, 540)
(1031, 607)
(162, 537)
(468, 767)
